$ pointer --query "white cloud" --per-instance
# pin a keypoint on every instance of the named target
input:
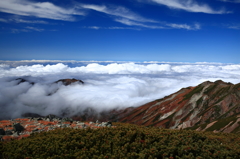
(231, 1)
(94, 27)
(23, 21)
(34, 28)
(50, 11)
(111, 28)
(117, 11)
(237, 27)
(164, 25)
(139, 25)
(189, 5)
(26, 29)
(185, 26)
(19, 30)
(113, 85)
(116, 28)
(133, 23)
(38, 9)
(3, 20)
(127, 17)
(123, 15)
(28, 21)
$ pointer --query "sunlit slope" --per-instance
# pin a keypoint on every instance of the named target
(209, 103)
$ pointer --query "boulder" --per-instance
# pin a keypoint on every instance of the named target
(51, 128)
(8, 132)
(16, 134)
(82, 124)
(38, 119)
(51, 117)
(18, 127)
(109, 123)
(35, 130)
(65, 125)
(1, 139)
(67, 120)
(106, 124)
(2, 131)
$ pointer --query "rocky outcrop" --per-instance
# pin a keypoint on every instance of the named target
(23, 127)
(22, 80)
(192, 107)
(67, 82)
(2, 131)
(18, 127)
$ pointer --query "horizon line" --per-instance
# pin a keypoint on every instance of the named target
(119, 61)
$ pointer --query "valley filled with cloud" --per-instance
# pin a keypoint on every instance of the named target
(107, 86)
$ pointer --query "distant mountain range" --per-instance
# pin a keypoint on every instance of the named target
(210, 106)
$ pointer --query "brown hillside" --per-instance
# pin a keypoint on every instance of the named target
(193, 107)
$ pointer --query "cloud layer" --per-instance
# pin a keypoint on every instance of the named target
(114, 85)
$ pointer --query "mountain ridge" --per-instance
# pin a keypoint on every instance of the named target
(191, 106)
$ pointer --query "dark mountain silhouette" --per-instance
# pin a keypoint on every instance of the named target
(65, 82)
(22, 80)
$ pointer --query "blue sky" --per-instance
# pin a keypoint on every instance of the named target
(123, 30)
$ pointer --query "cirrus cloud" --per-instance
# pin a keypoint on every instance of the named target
(231, 1)
(117, 11)
(38, 9)
(127, 17)
(189, 5)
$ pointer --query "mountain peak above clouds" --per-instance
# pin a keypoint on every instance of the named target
(204, 107)
(67, 82)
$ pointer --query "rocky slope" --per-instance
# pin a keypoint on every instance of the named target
(23, 127)
(213, 106)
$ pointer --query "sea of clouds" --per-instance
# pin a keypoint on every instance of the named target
(107, 85)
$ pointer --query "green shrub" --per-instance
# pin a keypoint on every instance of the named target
(198, 89)
(124, 141)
